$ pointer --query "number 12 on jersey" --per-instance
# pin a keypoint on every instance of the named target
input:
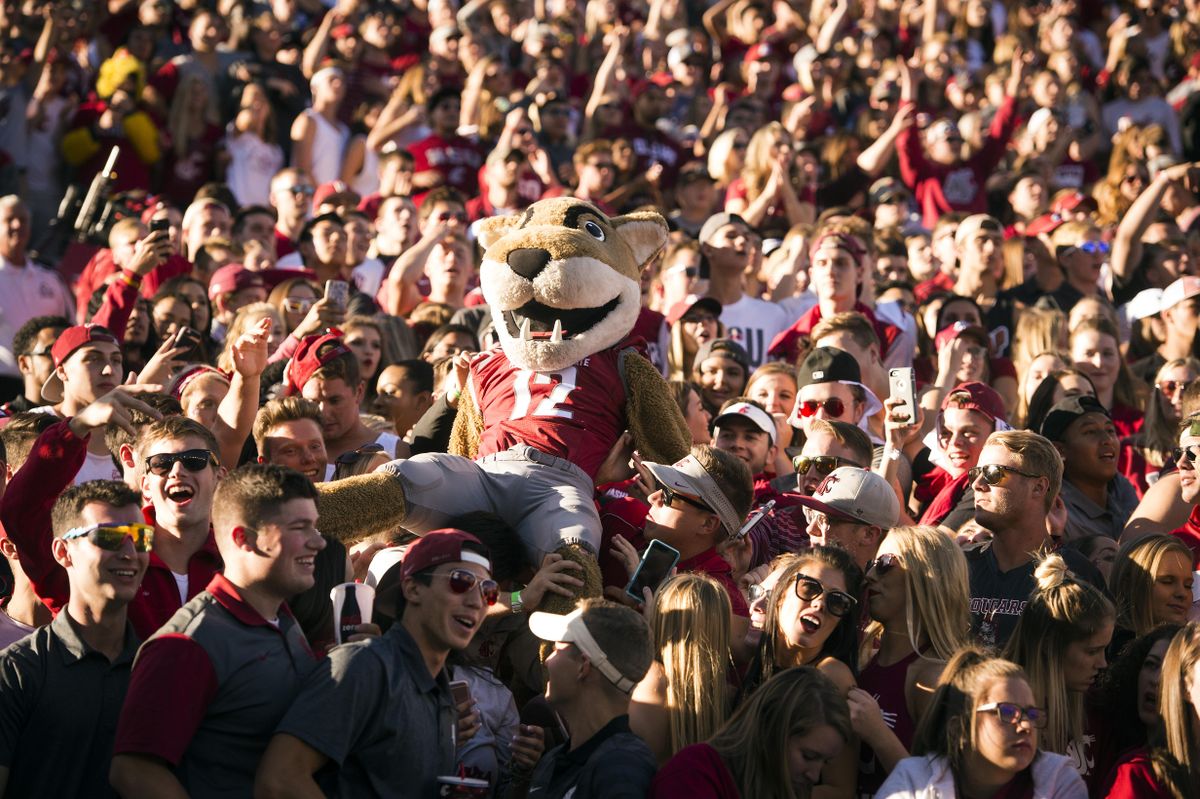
(529, 385)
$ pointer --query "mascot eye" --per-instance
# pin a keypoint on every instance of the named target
(594, 230)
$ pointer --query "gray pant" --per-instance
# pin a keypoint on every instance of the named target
(547, 500)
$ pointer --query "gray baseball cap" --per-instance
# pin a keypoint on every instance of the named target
(858, 495)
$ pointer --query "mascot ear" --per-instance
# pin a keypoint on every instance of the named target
(493, 228)
(644, 231)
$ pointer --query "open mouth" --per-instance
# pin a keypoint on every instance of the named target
(180, 494)
(125, 574)
(307, 562)
(466, 622)
(534, 321)
(810, 624)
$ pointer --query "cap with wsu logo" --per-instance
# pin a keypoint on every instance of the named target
(752, 414)
(854, 494)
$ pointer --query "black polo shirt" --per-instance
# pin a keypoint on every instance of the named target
(59, 704)
(373, 708)
(612, 764)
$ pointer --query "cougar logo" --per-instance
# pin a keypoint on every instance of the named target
(827, 485)
(562, 279)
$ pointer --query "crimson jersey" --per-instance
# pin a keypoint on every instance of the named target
(456, 159)
(576, 413)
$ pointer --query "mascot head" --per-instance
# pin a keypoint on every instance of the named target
(562, 279)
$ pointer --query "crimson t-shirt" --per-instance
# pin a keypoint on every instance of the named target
(456, 159)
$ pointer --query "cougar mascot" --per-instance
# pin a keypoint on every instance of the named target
(542, 411)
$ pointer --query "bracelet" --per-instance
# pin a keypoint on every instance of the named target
(130, 278)
(517, 605)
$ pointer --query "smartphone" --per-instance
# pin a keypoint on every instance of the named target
(163, 225)
(461, 691)
(902, 384)
(657, 562)
(190, 338)
(338, 293)
(754, 518)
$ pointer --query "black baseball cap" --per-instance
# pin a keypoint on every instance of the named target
(828, 365)
(1066, 411)
(726, 346)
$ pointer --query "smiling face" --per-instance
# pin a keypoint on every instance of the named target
(774, 391)
(821, 393)
(721, 378)
(180, 498)
(1097, 355)
(962, 433)
(97, 573)
(297, 444)
(563, 280)
(288, 545)
(1189, 478)
(807, 624)
(447, 620)
(698, 419)
(746, 440)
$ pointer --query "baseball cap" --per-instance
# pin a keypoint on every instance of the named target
(334, 188)
(723, 345)
(690, 477)
(828, 365)
(681, 308)
(976, 396)
(751, 413)
(1044, 225)
(447, 545)
(190, 375)
(857, 495)
(232, 278)
(1184, 288)
(715, 223)
(690, 173)
(312, 353)
(1066, 411)
(973, 224)
(67, 342)
(887, 190)
(447, 31)
(1144, 304)
(680, 53)
(961, 328)
(1073, 201)
(573, 629)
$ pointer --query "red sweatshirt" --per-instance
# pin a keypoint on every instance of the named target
(53, 462)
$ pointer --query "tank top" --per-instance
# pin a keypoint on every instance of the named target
(329, 145)
(366, 182)
(886, 684)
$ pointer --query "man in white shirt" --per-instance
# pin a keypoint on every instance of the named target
(728, 244)
(26, 289)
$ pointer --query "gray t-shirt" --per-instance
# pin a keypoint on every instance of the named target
(374, 710)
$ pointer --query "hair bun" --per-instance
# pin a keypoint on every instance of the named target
(1051, 572)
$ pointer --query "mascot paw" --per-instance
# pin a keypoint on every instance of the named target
(556, 603)
(360, 506)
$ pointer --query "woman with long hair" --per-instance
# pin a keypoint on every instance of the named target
(1149, 450)
(1059, 384)
(726, 155)
(763, 194)
(193, 129)
(699, 420)
(1151, 584)
(1060, 641)
(1130, 687)
(293, 298)
(1095, 348)
(1171, 767)
(812, 620)
(364, 335)
(774, 747)
(251, 140)
(1032, 374)
(684, 696)
(980, 739)
(917, 595)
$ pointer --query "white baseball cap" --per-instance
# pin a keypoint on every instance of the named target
(1184, 288)
(856, 494)
(751, 413)
(690, 477)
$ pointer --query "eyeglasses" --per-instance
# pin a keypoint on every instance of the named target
(824, 464)
(833, 406)
(1091, 248)
(993, 474)
(297, 306)
(462, 581)
(112, 536)
(603, 165)
(1190, 452)
(41, 353)
(669, 496)
(883, 564)
(1013, 714)
(446, 216)
(194, 460)
(838, 603)
(1167, 387)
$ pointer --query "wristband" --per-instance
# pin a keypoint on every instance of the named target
(517, 605)
(130, 278)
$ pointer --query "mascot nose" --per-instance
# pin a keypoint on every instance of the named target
(528, 262)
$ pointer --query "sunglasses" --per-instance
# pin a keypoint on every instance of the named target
(462, 581)
(838, 603)
(302, 190)
(112, 536)
(669, 496)
(993, 474)
(1092, 248)
(883, 564)
(1189, 453)
(603, 165)
(297, 306)
(194, 460)
(1169, 387)
(756, 592)
(824, 464)
(833, 406)
(445, 216)
(1011, 713)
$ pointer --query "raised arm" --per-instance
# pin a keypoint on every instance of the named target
(402, 279)
(235, 414)
(875, 158)
(1127, 243)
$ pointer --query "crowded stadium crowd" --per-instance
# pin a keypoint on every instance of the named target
(926, 313)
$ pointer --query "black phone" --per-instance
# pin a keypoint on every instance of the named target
(657, 562)
(163, 225)
(190, 338)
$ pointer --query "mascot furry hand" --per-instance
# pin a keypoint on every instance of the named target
(541, 412)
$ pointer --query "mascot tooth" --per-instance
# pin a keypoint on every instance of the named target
(541, 411)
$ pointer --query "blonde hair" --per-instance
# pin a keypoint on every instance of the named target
(1062, 610)
(1038, 330)
(718, 156)
(1037, 455)
(246, 317)
(691, 628)
(1133, 576)
(1128, 390)
(1175, 754)
(937, 592)
(948, 728)
(757, 169)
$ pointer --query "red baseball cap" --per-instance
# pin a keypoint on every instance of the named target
(232, 278)
(976, 396)
(1044, 225)
(313, 353)
(680, 309)
(447, 545)
(1075, 201)
(68, 341)
(334, 188)
(962, 328)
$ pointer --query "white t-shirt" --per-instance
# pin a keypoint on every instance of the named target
(25, 292)
(368, 276)
(181, 582)
(753, 324)
(97, 467)
(253, 162)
